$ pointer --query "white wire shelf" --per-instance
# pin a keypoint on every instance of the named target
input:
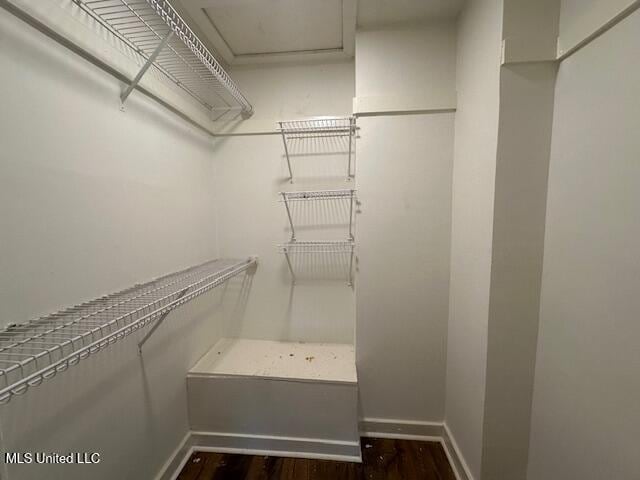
(347, 195)
(154, 30)
(318, 248)
(323, 127)
(39, 349)
(318, 195)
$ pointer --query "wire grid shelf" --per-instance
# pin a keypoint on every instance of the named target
(323, 127)
(143, 25)
(318, 195)
(319, 249)
(317, 246)
(317, 129)
(37, 350)
(347, 195)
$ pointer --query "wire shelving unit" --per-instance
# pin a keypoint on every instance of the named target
(156, 32)
(318, 247)
(39, 349)
(348, 195)
(323, 127)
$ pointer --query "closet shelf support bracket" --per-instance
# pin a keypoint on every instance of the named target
(134, 83)
(158, 322)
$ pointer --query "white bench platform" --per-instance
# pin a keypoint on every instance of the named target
(276, 398)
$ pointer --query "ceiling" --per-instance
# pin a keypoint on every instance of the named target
(376, 13)
(276, 26)
(259, 31)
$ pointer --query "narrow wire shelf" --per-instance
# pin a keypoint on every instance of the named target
(348, 195)
(318, 195)
(155, 31)
(39, 349)
(325, 126)
(316, 128)
(318, 248)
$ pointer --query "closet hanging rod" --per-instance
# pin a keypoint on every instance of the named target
(39, 349)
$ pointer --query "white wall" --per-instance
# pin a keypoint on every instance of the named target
(288, 92)
(404, 182)
(585, 421)
(93, 200)
(580, 19)
(524, 138)
(530, 30)
(406, 68)
(85, 184)
(474, 168)
(251, 170)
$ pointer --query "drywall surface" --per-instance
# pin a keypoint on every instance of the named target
(288, 92)
(406, 69)
(530, 30)
(404, 223)
(524, 139)
(93, 200)
(404, 184)
(252, 170)
(579, 19)
(474, 168)
(77, 28)
(585, 421)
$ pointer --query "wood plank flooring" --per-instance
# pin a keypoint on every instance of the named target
(382, 459)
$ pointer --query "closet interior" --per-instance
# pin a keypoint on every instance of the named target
(393, 238)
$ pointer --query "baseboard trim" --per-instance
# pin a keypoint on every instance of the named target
(456, 459)
(322, 449)
(418, 430)
(177, 460)
(296, 447)
(403, 429)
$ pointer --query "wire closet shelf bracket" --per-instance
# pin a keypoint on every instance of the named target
(325, 127)
(155, 31)
(39, 349)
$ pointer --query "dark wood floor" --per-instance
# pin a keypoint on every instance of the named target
(382, 459)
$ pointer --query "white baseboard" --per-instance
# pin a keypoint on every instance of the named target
(403, 429)
(257, 445)
(316, 448)
(177, 460)
(277, 446)
(456, 459)
(418, 430)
